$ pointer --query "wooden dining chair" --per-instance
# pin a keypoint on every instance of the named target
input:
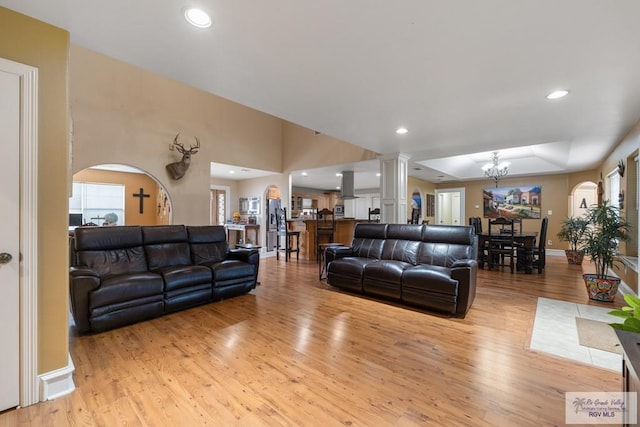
(501, 245)
(539, 251)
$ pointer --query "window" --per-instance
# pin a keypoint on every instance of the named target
(613, 188)
(95, 201)
(218, 206)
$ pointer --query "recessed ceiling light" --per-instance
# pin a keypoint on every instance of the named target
(556, 94)
(232, 172)
(197, 17)
(304, 174)
(338, 174)
(401, 131)
(338, 187)
(378, 174)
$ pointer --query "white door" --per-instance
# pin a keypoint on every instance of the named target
(9, 239)
(450, 206)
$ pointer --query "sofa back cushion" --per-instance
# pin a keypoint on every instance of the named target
(111, 250)
(402, 242)
(445, 244)
(166, 246)
(208, 243)
(368, 240)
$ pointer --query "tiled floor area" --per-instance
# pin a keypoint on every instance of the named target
(555, 332)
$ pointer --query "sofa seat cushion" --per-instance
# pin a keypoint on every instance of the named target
(230, 270)
(383, 278)
(184, 276)
(350, 266)
(125, 288)
(386, 270)
(430, 278)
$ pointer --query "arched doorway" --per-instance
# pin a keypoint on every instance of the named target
(131, 194)
(416, 206)
(582, 196)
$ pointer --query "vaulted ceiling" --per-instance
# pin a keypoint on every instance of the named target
(465, 78)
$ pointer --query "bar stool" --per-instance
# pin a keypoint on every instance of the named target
(325, 228)
(287, 235)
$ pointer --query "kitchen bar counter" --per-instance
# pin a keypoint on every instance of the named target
(342, 234)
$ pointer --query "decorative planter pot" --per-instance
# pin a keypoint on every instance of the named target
(601, 288)
(574, 257)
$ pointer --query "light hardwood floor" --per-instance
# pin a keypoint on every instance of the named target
(296, 353)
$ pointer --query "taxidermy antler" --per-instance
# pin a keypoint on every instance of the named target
(177, 170)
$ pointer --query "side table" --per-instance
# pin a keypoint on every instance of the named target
(250, 246)
(322, 267)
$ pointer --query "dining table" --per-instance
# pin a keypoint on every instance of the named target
(525, 239)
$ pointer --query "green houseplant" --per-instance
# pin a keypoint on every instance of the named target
(630, 313)
(606, 229)
(572, 230)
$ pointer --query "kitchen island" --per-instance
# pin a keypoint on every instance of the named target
(342, 234)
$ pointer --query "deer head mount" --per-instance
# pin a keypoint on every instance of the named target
(177, 170)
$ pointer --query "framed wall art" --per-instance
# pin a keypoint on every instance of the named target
(523, 201)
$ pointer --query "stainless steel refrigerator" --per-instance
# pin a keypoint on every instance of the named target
(272, 223)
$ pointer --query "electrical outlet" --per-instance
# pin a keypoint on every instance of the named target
(549, 242)
(549, 212)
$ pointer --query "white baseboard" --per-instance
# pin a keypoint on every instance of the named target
(555, 252)
(57, 383)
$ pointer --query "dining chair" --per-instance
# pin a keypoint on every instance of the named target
(501, 246)
(539, 251)
(476, 223)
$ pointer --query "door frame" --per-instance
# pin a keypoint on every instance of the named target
(461, 191)
(29, 381)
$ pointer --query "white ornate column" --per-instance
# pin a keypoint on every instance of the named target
(393, 188)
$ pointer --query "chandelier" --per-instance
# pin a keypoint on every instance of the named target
(495, 169)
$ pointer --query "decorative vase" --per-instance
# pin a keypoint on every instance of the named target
(574, 257)
(601, 288)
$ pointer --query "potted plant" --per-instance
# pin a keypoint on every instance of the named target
(630, 313)
(606, 229)
(572, 230)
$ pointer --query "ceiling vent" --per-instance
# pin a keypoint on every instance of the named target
(347, 186)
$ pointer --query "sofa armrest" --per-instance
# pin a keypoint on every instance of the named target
(335, 252)
(245, 255)
(82, 280)
(250, 256)
(465, 272)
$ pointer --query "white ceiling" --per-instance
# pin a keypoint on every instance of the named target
(464, 77)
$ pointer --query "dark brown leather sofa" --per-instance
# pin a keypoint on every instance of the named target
(428, 266)
(121, 275)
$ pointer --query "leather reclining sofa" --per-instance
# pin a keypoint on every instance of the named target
(428, 266)
(121, 275)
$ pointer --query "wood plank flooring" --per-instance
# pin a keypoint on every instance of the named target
(296, 353)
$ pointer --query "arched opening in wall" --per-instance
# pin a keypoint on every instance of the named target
(116, 194)
(273, 202)
(416, 207)
(584, 195)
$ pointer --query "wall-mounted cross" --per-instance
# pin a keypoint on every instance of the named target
(142, 196)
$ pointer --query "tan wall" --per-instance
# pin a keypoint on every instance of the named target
(123, 114)
(626, 151)
(303, 149)
(35, 43)
(555, 197)
(132, 183)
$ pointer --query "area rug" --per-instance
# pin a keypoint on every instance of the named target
(595, 334)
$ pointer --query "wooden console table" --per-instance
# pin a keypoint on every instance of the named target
(241, 234)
